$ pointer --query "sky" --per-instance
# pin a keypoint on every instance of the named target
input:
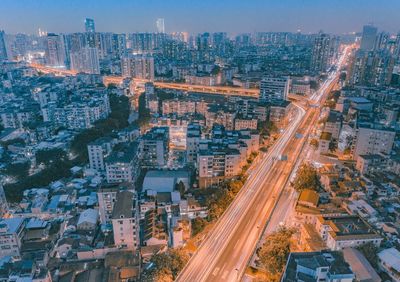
(194, 16)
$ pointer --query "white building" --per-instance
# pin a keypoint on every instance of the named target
(122, 165)
(97, 151)
(179, 107)
(55, 50)
(125, 221)
(11, 233)
(389, 261)
(371, 139)
(274, 88)
(86, 60)
(138, 66)
(88, 220)
(341, 232)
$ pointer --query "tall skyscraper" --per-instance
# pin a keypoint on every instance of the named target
(160, 25)
(55, 50)
(89, 25)
(139, 66)
(368, 38)
(86, 60)
(321, 53)
(397, 47)
(3, 50)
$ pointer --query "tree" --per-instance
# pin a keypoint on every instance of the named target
(314, 143)
(144, 112)
(370, 252)
(219, 202)
(306, 178)
(333, 145)
(198, 225)
(49, 156)
(180, 187)
(274, 252)
(166, 266)
(266, 127)
(17, 170)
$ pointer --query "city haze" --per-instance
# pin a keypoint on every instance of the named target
(199, 16)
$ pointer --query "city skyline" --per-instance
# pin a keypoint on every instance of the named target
(308, 16)
(184, 140)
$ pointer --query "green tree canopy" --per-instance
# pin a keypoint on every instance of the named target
(198, 225)
(166, 266)
(306, 178)
(274, 252)
(49, 156)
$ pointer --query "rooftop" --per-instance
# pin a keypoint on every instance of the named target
(309, 196)
(123, 207)
(347, 227)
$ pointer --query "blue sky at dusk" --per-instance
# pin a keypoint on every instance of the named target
(234, 16)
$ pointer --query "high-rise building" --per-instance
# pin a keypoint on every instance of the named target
(373, 139)
(3, 50)
(125, 221)
(3, 202)
(118, 45)
(155, 147)
(122, 164)
(368, 38)
(397, 47)
(274, 89)
(321, 53)
(372, 68)
(138, 66)
(160, 25)
(193, 136)
(98, 150)
(55, 50)
(89, 25)
(86, 60)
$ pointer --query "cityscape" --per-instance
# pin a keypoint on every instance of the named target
(172, 150)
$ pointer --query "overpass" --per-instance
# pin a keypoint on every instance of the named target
(217, 90)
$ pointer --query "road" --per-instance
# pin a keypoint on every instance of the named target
(224, 254)
(217, 90)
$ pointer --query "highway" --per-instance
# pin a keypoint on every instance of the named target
(227, 249)
(225, 253)
(216, 90)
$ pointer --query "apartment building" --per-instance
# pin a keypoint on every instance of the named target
(98, 150)
(193, 136)
(125, 221)
(11, 234)
(317, 266)
(341, 232)
(155, 147)
(122, 165)
(372, 139)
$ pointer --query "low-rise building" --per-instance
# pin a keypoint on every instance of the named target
(317, 266)
(389, 261)
(341, 232)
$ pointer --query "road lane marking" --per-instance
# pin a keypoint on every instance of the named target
(215, 272)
